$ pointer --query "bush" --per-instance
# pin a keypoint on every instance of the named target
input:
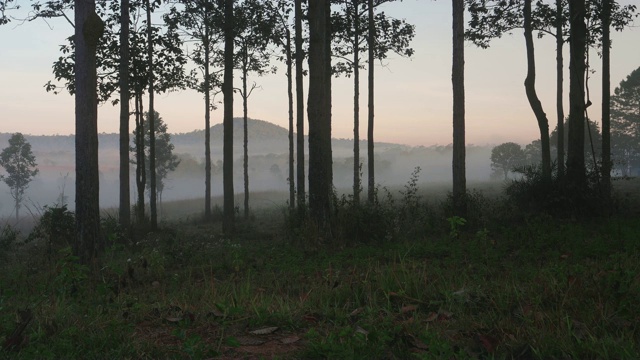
(57, 227)
(8, 237)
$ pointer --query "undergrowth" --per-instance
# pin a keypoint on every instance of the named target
(403, 279)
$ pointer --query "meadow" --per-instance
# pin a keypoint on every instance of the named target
(399, 279)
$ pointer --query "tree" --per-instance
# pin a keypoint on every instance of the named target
(168, 67)
(166, 161)
(6, 5)
(124, 213)
(457, 79)
(349, 28)
(371, 40)
(575, 156)
(532, 96)
(88, 31)
(606, 97)
(152, 132)
(505, 157)
(591, 134)
(198, 21)
(227, 90)
(20, 164)
(299, 55)
(319, 113)
(493, 18)
(254, 24)
(625, 123)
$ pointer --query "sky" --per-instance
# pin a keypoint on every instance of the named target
(413, 95)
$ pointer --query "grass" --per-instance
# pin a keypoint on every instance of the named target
(538, 289)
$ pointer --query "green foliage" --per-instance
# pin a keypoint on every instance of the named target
(8, 238)
(625, 124)
(18, 161)
(455, 224)
(56, 227)
(505, 157)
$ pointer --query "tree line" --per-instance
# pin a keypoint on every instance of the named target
(116, 47)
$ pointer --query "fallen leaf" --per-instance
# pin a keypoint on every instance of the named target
(173, 319)
(408, 308)
(433, 316)
(361, 331)
(355, 312)
(264, 331)
(289, 340)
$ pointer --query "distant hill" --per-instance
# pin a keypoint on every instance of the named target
(264, 138)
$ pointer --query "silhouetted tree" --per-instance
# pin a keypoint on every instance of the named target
(319, 112)
(505, 157)
(88, 31)
(124, 210)
(457, 78)
(227, 90)
(575, 156)
(625, 122)
(300, 171)
(606, 97)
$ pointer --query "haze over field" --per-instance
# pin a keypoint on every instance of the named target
(268, 165)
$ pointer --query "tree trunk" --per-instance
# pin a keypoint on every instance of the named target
(575, 156)
(356, 104)
(292, 188)
(89, 28)
(207, 127)
(559, 88)
(532, 96)
(606, 97)
(459, 166)
(319, 113)
(124, 214)
(245, 147)
(141, 172)
(299, 106)
(370, 145)
(152, 133)
(227, 150)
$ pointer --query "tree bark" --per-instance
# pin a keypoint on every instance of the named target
(292, 188)
(532, 96)
(227, 150)
(141, 172)
(88, 30)
(124, 214)
(245, 127)
(356, 104)
(152, 133)
(207, 126)
(299, 107)
(559, 88)
(606, 97)
(319, 113)
(370, 122)
(575, 156)
(459, 166)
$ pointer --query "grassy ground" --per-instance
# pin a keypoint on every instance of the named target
(536, 289)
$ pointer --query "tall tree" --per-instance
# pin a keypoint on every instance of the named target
(532, 96)
(559, 24)
(88, 31)
(254, 28)
(606, 97)
(124, 213)
(20, 164)
(371, 40)
(349, 28)
(300, 170)
(575, 155)
(319, 112)
(457, 79)
(199, 21)
(227, 90)
(152, 134)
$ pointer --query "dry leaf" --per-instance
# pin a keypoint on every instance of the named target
(355, 312)
(433, 316)
(408, 308)
(175, 319)
(264, 331)
(289, 340)
(361, 331)
(488, 342)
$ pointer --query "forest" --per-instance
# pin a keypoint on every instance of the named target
(339, 259)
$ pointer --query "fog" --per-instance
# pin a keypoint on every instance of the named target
(268, 167)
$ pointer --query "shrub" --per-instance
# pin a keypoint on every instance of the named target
(57, 227)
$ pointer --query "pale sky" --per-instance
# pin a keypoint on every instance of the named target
(413, 96)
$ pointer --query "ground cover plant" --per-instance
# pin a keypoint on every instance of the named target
(497, 284)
